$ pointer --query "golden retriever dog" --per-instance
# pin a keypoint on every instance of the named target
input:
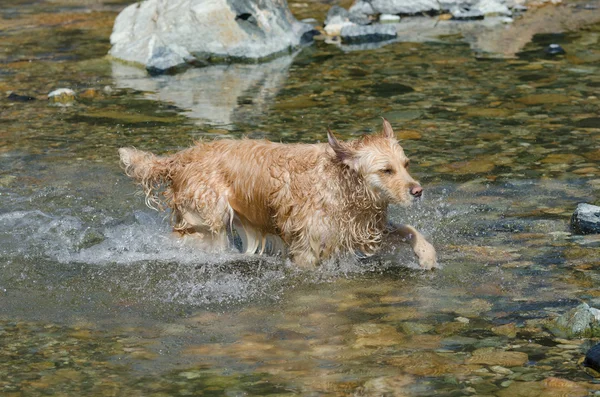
(319, 201)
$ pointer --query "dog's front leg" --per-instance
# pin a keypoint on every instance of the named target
(421, 247)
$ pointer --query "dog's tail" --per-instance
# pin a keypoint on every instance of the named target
(150, 171)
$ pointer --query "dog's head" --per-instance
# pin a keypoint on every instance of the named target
(381, 162)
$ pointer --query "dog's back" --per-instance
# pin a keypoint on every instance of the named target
(320, 199)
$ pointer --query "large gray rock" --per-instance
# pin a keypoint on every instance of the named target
(414, 7)
(586, 219)
(167, 35)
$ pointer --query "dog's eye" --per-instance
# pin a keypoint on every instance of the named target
(387, 171)
(406, 164)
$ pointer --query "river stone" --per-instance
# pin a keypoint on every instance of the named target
(394, 7)
(165, 36)
(592, 358)
(581, 321)
(62, 96)
(491, 356)
(413, 7)
(586, 219)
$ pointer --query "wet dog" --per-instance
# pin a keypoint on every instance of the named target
(318, 201)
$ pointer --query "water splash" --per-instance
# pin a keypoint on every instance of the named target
(91, 248)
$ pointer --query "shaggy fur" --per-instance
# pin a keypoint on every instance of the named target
(318, 200)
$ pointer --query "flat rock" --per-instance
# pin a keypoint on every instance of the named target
(586, 219)
(413, 7)
(166, 36)
(496, 357)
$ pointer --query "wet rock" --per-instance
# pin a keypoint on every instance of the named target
(586, 219)
(582, 321)
(592, 358)
(169, 36)
(491, 356)
(429, 364)
(14, 97)
(467, 14)
(376, 335)
(90, 93)
(408, 7)
(62, 96)
(413, 7)
(509, 330)
(338, 17)
(547, 387)
(387, 385)
(554, 49)
(358, 34)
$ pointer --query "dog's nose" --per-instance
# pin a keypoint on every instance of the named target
(416, 191)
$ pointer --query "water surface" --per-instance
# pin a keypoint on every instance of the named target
(98, 299)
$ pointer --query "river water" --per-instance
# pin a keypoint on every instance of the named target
(97, 299)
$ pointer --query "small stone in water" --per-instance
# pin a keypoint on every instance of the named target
(62, 95)
(586, 219)
(19, 98)
(592, 358)
(554, 49)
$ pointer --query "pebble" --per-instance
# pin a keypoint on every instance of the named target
(62, 96)
(14, 97)
(555, 49)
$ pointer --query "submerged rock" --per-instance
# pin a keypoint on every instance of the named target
(168, 36)
(554, 49)
(62, 96)
(357, 34)
(582, 321)
(586, 219)
(14, 97)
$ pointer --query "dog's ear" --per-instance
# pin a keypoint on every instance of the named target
(343, 152)
(388, 132)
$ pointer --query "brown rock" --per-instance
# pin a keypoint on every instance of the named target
(509, 330)
(491, 356)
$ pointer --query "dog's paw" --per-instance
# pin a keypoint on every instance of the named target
(427, 255)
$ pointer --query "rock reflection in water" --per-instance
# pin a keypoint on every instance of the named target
(219, 94)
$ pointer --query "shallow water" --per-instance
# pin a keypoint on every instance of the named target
(96, 297)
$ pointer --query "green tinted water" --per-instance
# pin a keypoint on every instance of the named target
(98, 299)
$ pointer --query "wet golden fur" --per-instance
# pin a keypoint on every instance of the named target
(318, 200)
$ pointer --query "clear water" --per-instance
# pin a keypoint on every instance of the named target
(97, 298)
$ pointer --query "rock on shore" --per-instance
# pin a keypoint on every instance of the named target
(169, 35)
